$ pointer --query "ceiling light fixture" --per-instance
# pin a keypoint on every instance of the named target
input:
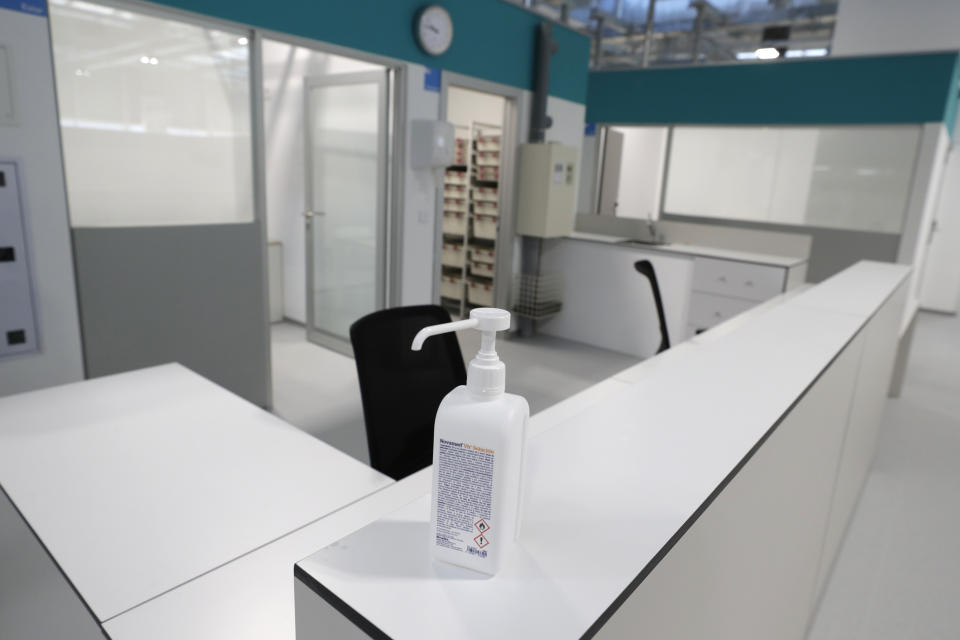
(242, 41)
(144, 59)
(767, 53)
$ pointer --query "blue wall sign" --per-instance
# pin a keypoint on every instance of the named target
(33, 7)
(431, 79)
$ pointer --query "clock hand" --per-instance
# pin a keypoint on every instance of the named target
(433, 28)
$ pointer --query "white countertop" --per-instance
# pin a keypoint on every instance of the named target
(608, 487)
(785, 262)
(252, 597)
(141, 481)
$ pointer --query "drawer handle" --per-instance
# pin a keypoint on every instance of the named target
(722, 279)
(716, 314)
(749, 283)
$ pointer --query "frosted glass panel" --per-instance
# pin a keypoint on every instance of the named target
(345, 123)
(155, 118)
(854, 177)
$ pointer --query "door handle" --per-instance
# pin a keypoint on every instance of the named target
(310, 214)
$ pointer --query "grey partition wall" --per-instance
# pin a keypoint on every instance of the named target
(189, 294)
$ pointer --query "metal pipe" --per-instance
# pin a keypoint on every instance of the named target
(539, 123)
(546, 47)
(648, 32)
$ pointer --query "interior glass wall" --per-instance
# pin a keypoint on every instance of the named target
(851, 177)
(842, 177)
(155, 118)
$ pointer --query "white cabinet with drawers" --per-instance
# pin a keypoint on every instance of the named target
(607, 304)
(722, 288)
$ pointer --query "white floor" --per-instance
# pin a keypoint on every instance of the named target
(316, 389)
(897, 576)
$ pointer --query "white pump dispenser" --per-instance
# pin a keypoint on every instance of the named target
(478, 443)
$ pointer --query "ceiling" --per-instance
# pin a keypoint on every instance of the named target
(685, 32)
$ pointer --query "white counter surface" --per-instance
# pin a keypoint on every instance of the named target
(251, 598)
(662, 444)
(141, 481)
(693, 250)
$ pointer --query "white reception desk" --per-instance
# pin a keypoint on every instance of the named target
(606, 303)
(702, 493)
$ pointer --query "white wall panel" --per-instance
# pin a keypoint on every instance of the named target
(747, 567)
(32, 140)
(620, 315)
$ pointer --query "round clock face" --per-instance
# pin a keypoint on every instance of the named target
(435, 30)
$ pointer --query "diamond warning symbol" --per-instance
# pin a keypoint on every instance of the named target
(481, 541)
(481, 525)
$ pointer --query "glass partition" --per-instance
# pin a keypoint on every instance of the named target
(855, 177)
(155, 118)
(844, 177)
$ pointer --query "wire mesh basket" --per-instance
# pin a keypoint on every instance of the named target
(537, 296)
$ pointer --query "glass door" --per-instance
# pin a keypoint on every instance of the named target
(346, 192)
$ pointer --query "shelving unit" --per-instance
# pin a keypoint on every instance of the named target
(471, 208)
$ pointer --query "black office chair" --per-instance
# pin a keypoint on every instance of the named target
(646, 268)
(401, 389)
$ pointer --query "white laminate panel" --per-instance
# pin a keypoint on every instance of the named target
(36, 600)
(577, 403)
(252, 597)
(607, 303)
(860, 290)
(746, 568)
(604, 492)
(717, 332)
(694, 250)
(140, 481)
(669, 359)
(796, 276)
(737, 279)
(869, 401)
(708, 310)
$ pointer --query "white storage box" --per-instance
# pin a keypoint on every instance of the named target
(451, 287)
(454, 191)
(454, 223)
(452, 254)
(484, 226)
(488, 158)
(488, 208)
(488, 143)
(482, 254)
(491, 174)
(455, 177)
(460, 150)
(487, 194)
(484, 269)
(455, 204)
(480, 293)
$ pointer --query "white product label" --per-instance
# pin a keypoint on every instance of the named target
(464, 498)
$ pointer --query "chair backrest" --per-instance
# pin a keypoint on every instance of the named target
(645, 267)
(401, 389)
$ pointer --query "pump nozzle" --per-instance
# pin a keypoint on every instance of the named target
(437, 329)
(485, 374)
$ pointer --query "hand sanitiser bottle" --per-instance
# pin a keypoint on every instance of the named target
(478, 444)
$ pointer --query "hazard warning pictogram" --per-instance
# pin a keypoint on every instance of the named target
(481, 525)
(481, 541)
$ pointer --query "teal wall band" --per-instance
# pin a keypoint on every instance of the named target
(492, 39)
(871, 90)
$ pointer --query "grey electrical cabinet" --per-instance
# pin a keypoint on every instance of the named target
(18, 327)
(546, 203)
